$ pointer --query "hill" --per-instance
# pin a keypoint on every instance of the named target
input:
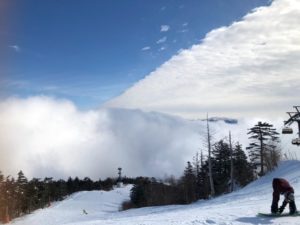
(239, 207)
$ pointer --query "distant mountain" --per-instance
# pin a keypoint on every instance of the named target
(225, 119)
(216, 119)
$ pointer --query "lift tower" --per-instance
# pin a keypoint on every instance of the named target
(294, 118)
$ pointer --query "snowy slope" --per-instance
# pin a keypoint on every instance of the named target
(98, 204)
(240, 207)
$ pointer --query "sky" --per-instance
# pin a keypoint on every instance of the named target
(90, 52)
(90, 87)
(249, 68)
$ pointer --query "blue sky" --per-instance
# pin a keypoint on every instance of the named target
(92, 51)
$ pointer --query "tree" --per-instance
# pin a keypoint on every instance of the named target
(1, 177)
(204, 178)
(200, 175)
(138, 192)
(189, 184)
(221, 166)
(2, 196)
(70, 187)
(261, 134)
(231, 165)
(243, 172)
(18, 197)
(33, 194)
(21, 194)
(10, 197)
(272, 155)
(211, 181)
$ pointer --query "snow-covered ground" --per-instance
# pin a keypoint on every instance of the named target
(239, 207)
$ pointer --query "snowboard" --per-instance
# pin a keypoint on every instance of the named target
(278, 215)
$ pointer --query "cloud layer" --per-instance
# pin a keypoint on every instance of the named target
(51, 137)
(248, 68)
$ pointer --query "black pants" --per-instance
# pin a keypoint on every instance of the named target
(292, 207)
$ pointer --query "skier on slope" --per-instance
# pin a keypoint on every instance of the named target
(282, 186)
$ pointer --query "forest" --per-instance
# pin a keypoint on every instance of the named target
(226, 165)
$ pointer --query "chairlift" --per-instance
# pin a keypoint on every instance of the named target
(296, 141)
(287, 130)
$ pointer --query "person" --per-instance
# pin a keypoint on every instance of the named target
(282, 186)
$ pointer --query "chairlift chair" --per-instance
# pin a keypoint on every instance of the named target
(287, 130)
(296, 141)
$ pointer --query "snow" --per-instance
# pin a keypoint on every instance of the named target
(239, 207)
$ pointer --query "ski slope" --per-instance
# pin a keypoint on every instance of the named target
(239, 207)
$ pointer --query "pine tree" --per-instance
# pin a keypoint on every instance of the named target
(21, 194)
(32, 194)
(60, 190)
(1, 177)
(189, 183)
(204, 176)
(232, 178)
(261, 133)
(21, 182)
(243, 172)
(70, 186)
(221, 166)
(2, 195)
(10, 197)
(198, 175)
(47, 191)
(138, 193)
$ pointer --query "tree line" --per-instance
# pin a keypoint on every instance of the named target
(226, 168)
(21, 196)
(194, 183)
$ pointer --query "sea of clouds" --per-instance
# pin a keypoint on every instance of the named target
(45, 136)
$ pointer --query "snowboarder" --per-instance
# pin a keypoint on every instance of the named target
(282, 186)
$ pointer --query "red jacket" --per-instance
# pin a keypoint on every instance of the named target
(280, 186)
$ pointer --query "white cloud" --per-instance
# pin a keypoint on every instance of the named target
(16, 48)
(162, 48)
(162, 40)
(185, 24)
(51, 137)
(183, 31)
(248, 68)
(146, 48)
(164, 28)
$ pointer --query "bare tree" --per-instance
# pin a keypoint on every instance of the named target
(272, 155)
(211, 181)
(231, 164)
